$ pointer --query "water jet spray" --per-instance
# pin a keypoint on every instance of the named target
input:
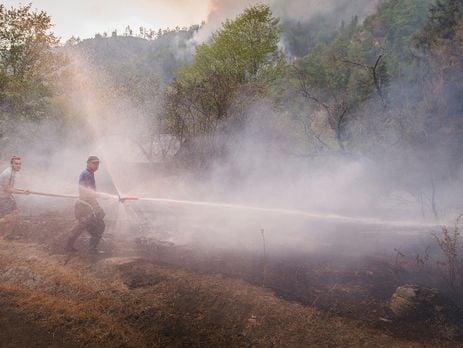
(310, 215)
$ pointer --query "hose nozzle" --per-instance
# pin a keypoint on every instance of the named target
(128, 198)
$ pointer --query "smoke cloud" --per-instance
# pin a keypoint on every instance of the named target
(261, 169)
(292, 10)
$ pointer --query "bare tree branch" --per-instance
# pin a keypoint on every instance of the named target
(373, 69)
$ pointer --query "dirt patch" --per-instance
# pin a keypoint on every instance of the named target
(139, 274)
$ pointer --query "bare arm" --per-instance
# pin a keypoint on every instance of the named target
(11, 189)
(20, 192)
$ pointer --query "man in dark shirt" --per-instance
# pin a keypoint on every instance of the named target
(88, 212)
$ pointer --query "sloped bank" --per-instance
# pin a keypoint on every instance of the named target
(130, 302)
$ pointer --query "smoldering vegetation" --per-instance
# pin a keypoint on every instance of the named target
(321, 156)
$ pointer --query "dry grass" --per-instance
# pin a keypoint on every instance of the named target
(86, 323)
(450, 245)
(94, 305)
(66, 295)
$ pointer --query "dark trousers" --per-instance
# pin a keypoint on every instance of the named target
(89, 217)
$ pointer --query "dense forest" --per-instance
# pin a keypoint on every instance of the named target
(386, 88)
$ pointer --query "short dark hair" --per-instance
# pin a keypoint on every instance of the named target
(93, 159)
(14, 158)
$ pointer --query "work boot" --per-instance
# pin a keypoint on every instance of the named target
(71, 249)
(70, 245)
(95, 252)
(13, 237)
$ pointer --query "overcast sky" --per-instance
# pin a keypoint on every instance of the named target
(84, 18)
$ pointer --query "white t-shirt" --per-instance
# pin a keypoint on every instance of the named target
(6, 179)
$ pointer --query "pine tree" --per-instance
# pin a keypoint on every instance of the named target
(444, 17)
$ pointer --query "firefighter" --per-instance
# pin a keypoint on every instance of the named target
(88, 212)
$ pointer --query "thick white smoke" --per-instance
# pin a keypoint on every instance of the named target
(297, 10)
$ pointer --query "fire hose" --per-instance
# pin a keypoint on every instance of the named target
(48, 194)
(121, 199)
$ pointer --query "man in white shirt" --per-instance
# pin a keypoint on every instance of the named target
(8, 208)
